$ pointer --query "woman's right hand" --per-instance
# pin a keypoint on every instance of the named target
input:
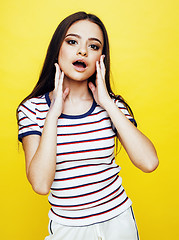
(40, 153)
(58, 96)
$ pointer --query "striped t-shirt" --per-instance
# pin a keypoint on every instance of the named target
(87, 188)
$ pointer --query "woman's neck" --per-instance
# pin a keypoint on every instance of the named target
(78, 90)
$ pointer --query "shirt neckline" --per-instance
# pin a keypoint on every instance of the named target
(73, 116)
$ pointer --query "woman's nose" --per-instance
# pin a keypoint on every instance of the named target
(82, 51)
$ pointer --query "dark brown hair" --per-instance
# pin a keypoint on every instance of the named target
(46, 79)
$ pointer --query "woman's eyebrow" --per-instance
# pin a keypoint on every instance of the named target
(73, 34)
(78, 36)
(96, 39)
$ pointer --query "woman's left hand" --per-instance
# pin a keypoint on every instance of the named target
(100, 92)
(138, 147)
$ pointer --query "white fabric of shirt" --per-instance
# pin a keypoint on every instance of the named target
(87, 188)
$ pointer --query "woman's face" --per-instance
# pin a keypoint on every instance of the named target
(81, 48)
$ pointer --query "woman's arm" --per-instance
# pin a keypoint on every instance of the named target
(40, 152)
(139, 148)
(40, 156)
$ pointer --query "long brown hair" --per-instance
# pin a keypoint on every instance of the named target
(46, 79)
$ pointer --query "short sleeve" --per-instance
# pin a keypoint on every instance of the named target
(124, 110)
(27, 120)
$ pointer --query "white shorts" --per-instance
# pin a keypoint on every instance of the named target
(122, 227)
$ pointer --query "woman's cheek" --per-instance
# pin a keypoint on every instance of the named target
(62, 62)
(98, 57)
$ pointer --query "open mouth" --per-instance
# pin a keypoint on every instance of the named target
(79, 64)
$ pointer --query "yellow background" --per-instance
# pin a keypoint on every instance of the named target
(144, 37)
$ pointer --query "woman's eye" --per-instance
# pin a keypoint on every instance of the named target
(93, 46)
(72, 42)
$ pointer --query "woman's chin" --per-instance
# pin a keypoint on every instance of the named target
(79, 77)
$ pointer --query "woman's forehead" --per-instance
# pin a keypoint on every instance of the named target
(86, 28)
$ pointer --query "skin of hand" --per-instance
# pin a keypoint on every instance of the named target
(140, 149)
(100, 92)
(40, 153)
(58, 95)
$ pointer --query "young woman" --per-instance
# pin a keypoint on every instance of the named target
(68, 125)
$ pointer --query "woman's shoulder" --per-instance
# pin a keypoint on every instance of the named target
(35, 100)
(119, 101)
(34, 103)
(124, 107)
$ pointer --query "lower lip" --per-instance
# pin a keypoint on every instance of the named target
(79, 69)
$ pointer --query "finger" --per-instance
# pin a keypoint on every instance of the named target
(99, 75)
(61, 79)
(57, 75)
(92, 87)
(102, 66)
(65, 93)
